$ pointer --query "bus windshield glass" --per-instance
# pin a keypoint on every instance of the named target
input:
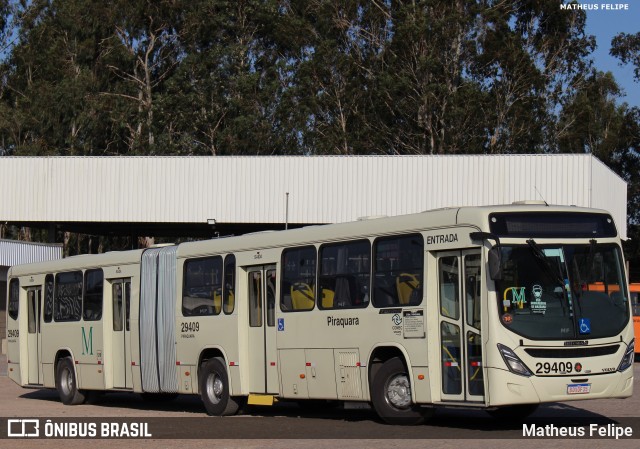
(563, 291)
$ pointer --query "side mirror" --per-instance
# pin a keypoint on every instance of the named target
(495, 264)
(495, 255)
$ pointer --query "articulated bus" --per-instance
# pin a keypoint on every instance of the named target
(481, 307)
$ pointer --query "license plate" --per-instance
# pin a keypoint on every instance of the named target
(578, 388)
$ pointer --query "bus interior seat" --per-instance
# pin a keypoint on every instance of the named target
(230, 304)
(217, 301)
(302, 297)
(195, 305)
(327, 298)
(408, 286)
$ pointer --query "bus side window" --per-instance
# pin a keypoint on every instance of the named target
(297, 290)
(398, 267)
(228, 301)
(345, 275)
(48, 298)
(14, 296)
(92, 300)
(202, 286)
(67, 301)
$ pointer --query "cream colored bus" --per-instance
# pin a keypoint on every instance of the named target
(479, 307)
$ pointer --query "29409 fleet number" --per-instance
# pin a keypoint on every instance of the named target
(192, 326)
(555, 368)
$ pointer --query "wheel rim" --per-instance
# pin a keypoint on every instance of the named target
(66, 381)
(215, 388)
(398, 391)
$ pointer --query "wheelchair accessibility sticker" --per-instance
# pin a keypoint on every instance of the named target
(280, 324)
(584, 325)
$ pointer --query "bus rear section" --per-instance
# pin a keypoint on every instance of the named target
(13, 332)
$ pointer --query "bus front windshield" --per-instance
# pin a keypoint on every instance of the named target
(563, 291)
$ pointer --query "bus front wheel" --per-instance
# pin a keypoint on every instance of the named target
(391, 394)
(66, 383)
(214, 389)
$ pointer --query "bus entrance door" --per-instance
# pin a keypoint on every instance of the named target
(459, 289)
(120, 295)
(263, 374)
(34, 337)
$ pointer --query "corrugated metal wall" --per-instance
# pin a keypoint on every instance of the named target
(14, 252)
(322, 189)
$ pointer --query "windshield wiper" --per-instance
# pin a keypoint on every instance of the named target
(539, 255)
(556, 275)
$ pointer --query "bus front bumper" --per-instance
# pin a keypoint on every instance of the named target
(506, 388)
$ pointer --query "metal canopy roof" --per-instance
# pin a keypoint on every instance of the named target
(14, 252)
(252, 190)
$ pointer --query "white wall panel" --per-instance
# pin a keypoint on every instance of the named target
(14, 252)
(321, 189)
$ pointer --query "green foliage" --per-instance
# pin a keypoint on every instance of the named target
(626, 47)
(289, 76)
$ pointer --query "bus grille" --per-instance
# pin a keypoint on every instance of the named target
(552, 353)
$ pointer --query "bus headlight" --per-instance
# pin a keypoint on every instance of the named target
(513, 362)
(627, 358)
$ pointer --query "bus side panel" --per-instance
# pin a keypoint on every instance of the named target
(48, 356)
(90, 357)
(134, 322)
(13, 350)
(201, 336)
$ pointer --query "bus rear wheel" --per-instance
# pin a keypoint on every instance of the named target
(66, 383)
(214, 389)
(391, 395)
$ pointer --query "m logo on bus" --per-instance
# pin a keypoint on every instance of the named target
(518, 296)
(87, 345)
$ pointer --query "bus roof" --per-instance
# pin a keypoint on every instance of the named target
(440, 218)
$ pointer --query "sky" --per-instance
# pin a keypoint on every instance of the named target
(604, 24)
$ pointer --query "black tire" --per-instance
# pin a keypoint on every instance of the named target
(391, 395)
(214, 389)
(513, 413)
(66, 383)
(158, 397)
